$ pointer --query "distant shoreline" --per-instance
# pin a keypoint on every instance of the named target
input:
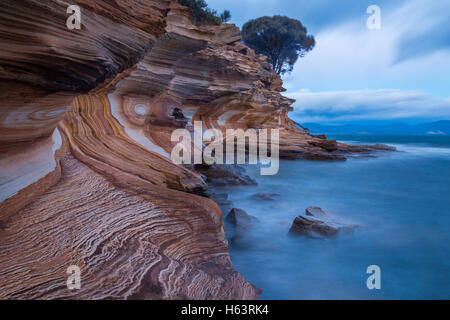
(438, 128)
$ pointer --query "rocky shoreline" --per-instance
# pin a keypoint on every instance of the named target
(86, 118)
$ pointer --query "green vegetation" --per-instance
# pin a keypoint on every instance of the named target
(281, 39)
(225, 16)
(201, 14)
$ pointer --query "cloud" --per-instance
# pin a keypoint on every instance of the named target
(385, 105)
(409, 53)
(424, 26)
(315, 15)
(353, 65)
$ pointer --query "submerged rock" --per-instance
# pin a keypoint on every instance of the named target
(241, 238)
(225, 175)
(266, 196)
(318, 224)
(221, 199)
(240, 219)
(315, 212)
(356, 149)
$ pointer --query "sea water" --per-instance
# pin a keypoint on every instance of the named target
(401, 200)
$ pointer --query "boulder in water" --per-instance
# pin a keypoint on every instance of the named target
(318, 224)
(240, 219)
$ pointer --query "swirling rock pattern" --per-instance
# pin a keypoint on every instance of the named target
(81, 184)
(86, 178)
(150, 243)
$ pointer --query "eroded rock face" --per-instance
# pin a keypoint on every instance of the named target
(132, 243)
(86, 118)
(82, 180)
(44, 65)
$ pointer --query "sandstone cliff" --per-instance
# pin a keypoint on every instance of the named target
(85, 122)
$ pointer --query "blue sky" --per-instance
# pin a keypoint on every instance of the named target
(400, 73)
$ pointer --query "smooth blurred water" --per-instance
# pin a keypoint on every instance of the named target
(402, 200)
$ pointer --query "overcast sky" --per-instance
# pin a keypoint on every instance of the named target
(400, 73)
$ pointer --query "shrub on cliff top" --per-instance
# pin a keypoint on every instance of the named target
(279, 38)
(201, 14)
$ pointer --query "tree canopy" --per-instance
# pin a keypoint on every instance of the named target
(225, 16)
(281, 39)
(202, 14)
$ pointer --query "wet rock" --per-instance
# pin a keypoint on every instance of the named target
(311, 228)
(318, 224)
(266, 196)
(297, 143)
(221, 199)
(240, 219)
(225, 175)
(318, 154)
(315, 212)
(328, 145)
(365, 148)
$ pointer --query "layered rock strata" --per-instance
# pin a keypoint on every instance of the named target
(82, 183)
(86, 118)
